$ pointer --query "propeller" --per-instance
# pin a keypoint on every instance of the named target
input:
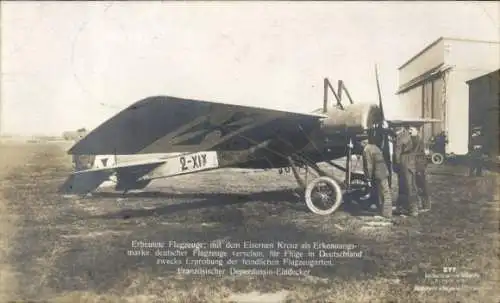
(385, 134)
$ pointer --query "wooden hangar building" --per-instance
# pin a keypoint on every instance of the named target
(484, 114)
(434, 84)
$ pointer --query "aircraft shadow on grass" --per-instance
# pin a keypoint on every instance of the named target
(279, 201)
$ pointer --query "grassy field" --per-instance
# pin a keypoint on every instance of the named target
(63, 249)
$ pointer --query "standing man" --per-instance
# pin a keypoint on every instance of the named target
(420, 171)
(405, 167)
(376, 173)
(476, 153)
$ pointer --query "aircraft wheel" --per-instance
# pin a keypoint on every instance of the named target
(323, 196)
(437, 158)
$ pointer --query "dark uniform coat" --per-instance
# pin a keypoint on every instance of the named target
(406, 168)
(419, 150)
(374, 166)
(421, 175)
(403, 151)
(375, 169)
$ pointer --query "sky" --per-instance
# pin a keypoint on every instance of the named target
(68, 65)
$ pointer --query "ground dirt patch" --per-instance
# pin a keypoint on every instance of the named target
(13, 156)
(74, 250)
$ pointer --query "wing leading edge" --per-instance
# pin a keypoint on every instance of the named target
(415, 122)
(163, 124)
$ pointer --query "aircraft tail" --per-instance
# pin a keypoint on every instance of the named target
(91, 172)
(83, 183)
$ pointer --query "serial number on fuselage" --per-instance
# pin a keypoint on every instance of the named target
(192, 162)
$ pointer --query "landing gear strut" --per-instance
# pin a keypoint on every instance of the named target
(324, 194)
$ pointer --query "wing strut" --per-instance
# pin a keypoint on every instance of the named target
(327, 85)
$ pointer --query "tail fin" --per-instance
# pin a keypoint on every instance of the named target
(83, 183)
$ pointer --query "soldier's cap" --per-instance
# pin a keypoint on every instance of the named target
(413, 131)
(399, 130)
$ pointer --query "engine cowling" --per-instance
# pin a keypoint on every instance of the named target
(353, 119)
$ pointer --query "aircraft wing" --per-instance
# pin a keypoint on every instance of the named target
(415, 122)
(163, 124)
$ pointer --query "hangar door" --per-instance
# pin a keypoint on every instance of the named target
(411, 102)
(438, 104)
(427, 106)
(432, 106)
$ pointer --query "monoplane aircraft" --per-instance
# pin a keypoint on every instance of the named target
(164, 136)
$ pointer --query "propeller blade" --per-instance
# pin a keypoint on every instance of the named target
(387, 155)
(385, 144)
(380, 105)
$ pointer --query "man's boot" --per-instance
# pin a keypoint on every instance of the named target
(401, 207)
(426, 205)
(386, 210)
(412, 206)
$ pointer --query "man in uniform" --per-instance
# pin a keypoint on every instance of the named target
(476, 153)
(405, 167)
(420, 170)
(376, 172)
